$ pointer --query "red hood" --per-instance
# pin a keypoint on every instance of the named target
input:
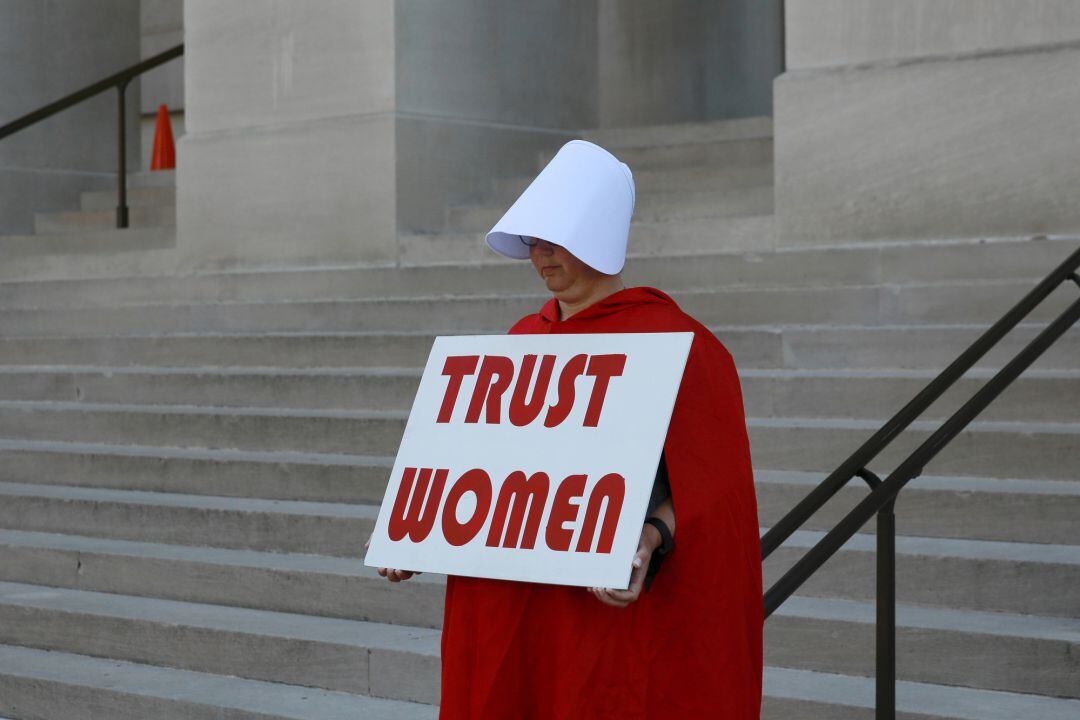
(616, 302)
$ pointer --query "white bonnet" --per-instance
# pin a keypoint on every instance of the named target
(582, 200)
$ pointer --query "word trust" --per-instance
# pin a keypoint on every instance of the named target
(496, 373)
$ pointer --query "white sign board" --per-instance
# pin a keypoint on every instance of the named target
(531, 457)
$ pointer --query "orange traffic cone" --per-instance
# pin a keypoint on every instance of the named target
(164, 157)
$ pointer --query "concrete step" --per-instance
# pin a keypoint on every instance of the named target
(360, 432)
(152, 178)
(748, 151)
(1002, 509)
(1015, 653)
(79, 221)
(1035, 395)
(334, 529)
(1035, 450)
(618, 138)
(137, 197)
(871, 305)
(134, 257)
(807, 347)
(14, 248)
(669, 237)
(1017, 259)
(1038, 450)
(809, 695)
(38, 683)
(654, 207)
(323, 388)
(940, 506)
(50, 684)
(992, 651)
(694, 178)
(283, 582)
(198, 471)
(388, 661)
(1024, 578)
(1027, 578)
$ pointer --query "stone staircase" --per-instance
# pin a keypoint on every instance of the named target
(190, 465)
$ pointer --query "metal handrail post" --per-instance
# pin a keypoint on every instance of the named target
(121, 173)
(885, 647)
(885, 680)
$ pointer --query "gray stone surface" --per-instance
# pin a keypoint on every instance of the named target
(329, 653)
(1012, 259)
(662, 62)
(977, 147)
(53, 49)
(52, 684)
(287, 193)
(914, 700)
(823, 33)
(161, 23)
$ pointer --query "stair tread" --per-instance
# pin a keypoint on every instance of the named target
(357, 511)
(954, 483)
(1019, 552)
(425, 641)
(177, 409)
(197, 453)
(338, 631)
(274, 699)
(302, 703)
(979, 622)
(996, 426)
(961, 703)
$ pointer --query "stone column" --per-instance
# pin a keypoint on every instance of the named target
(288, 155)
(670, 61)
(317, 132)
(51, 48)
(928, 119)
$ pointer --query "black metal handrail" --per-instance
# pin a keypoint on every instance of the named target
(119, 81)
(883, 492)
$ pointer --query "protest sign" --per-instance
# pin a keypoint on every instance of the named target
(531, 457)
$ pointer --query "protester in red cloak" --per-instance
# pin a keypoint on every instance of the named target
(691, 646)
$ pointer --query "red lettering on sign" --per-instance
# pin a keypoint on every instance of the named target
(516, 493)
(494, 378)
(603, 368)
(457, 367)
(417, 521)
(557, 536)
(613, 487)
(476, 481)
(522, 412)
(561, 409)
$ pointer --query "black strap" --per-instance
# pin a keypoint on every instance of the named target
(667, 541)
(658, 555)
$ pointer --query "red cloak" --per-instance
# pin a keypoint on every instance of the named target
(690, 647)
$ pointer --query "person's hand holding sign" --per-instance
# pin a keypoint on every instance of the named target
(649, 543)
(392, 574)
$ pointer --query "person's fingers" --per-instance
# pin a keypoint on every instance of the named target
(623, 597)
(383, 571)
(599, 594)
(367, 543)
(615, 598)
